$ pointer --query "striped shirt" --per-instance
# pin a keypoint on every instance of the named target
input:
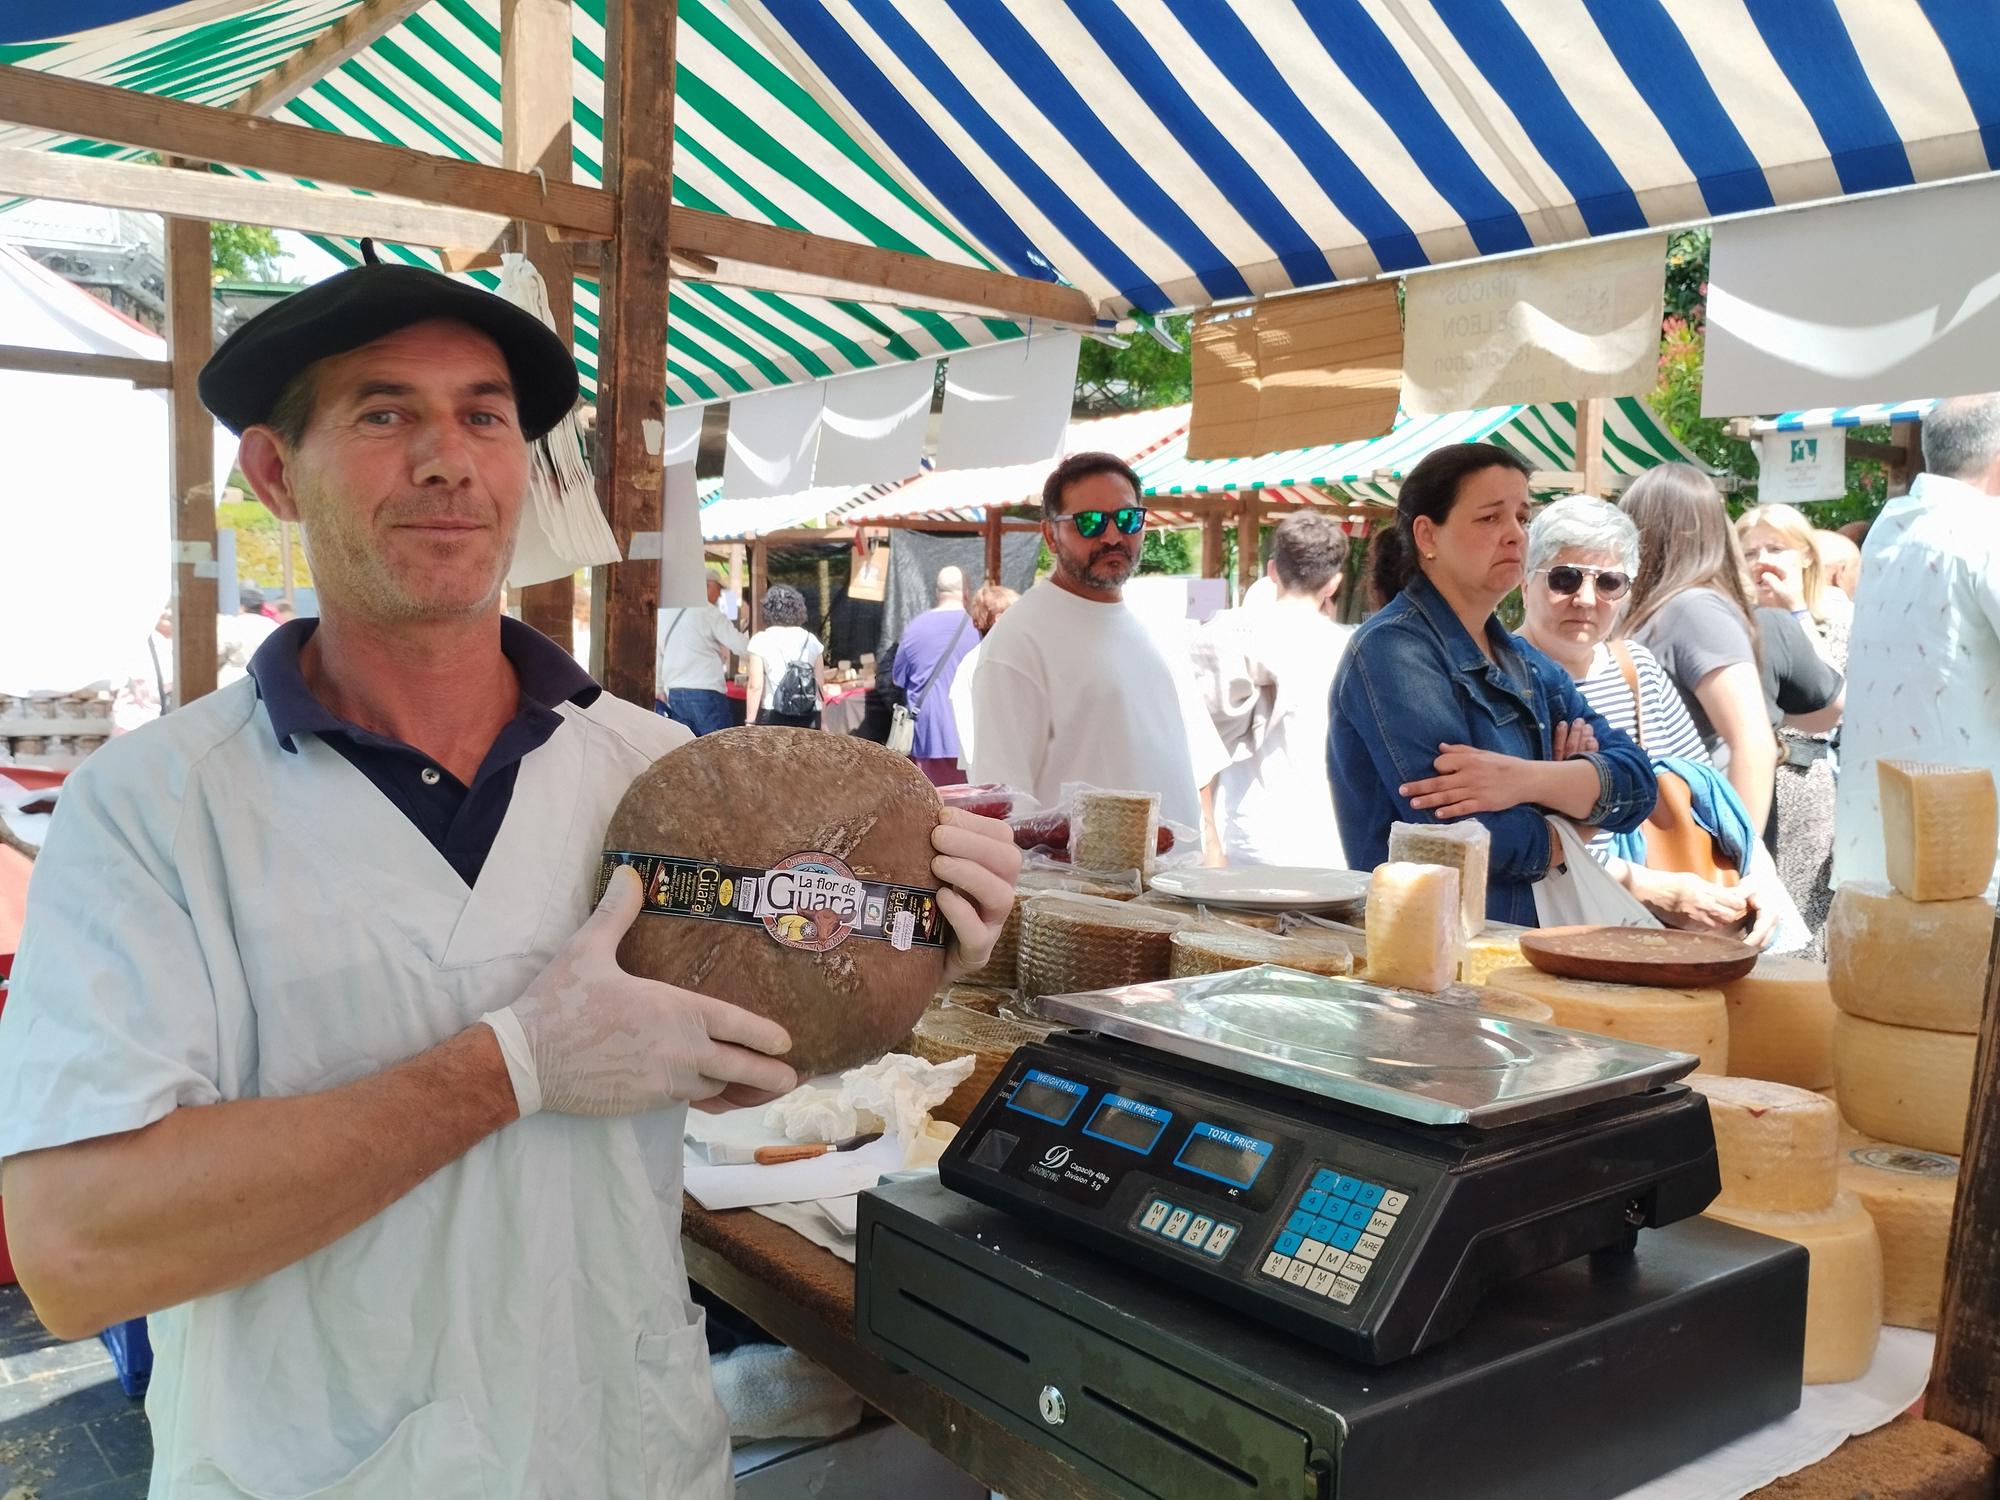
(1669, 730)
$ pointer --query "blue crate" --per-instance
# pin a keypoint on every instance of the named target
(132, 1353)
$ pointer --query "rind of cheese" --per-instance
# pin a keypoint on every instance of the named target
(1909, 1194)
(1908, 963)
(1940, 828)
(1777, 1147)
(1196, 951)
(1071, 943)
(1695, 1021)
(1115, 830)
(1781, 1023)
(1466, 847)
(1413, 926)
(1843, 1285)
(1904, 1084)
(1495, 946)
(1511, 1004)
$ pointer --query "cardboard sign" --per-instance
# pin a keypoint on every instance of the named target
(1793, 467)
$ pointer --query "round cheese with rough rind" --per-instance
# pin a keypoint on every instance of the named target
(1776, 1147)
(1843, 1285)
(1198, 951)
(1695, 1021)
(1904, 1084)
(1781, 1023)
(1910, 1195)
(839, 815)
(1908, 963)
(1071, 943)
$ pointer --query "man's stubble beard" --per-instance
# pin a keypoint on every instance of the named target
(360, 579)
(1089, 574)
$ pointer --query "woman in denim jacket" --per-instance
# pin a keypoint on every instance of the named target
(1439, 713)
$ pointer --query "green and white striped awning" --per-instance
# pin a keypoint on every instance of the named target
(1545, 435)
(749, 142)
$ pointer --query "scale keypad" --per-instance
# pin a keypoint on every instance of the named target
(1191, 1228)
(1334, 1234)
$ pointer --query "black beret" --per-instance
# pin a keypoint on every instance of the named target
(245, 376)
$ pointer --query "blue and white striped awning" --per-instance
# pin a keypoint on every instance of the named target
(1166, 153)
(1876, 414)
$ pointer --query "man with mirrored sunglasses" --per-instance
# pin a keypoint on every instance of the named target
(1071, 687)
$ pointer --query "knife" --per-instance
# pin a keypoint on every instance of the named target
(771, 1156)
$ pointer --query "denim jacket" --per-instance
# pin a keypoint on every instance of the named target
(1413, 680)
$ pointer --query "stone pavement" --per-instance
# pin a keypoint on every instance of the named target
(67, 1431)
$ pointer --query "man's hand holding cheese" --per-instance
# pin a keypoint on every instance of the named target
(316, 1052)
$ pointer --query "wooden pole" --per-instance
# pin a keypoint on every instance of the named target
(535, 106)
(191, 458)
(1904, 470)
(632, 348)
(1590, 444)
(1211, 545)
(760, 565)
(995, 523)
(1247, 517)
(1965, 1370)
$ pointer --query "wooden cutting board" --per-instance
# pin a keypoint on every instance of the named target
(1658, 956)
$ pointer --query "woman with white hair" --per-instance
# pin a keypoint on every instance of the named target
(1582, 557)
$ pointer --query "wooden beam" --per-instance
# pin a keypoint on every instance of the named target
(632, 353)
(1903, 474)
(136, 186)
(346, 38)
(1590, 444)
(191, 460)
(996, 520)
(760, 575)
(1965, 1370)
(758, 254)
(147, 374)
(1211, 545)
(1249, 514)
(535, 117)
(124, 117)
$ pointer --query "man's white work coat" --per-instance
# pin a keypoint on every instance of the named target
(216, 918)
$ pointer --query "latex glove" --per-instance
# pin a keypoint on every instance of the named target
(977, 867)
(586, 1038)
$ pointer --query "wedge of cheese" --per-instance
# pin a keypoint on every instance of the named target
(1466, 847)
(1843, 1286)
(1413, 925)
(1940, 827)
(1781, 1023)
(1777, 1147)
(1908, 963)
(1497, 945)
(1910, 1195)
(1902, 1084)
(1695, 1021)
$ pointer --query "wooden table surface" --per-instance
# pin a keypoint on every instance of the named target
(804, 1297)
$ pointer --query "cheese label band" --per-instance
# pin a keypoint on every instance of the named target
(810, 901)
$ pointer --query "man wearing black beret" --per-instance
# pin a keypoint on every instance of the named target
(315, 1052)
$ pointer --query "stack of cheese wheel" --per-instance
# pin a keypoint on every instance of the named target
(1777, 1149)
(1781, 1023)
(1415, 926)
(1464, 847)
(1208, 951)
(1074, 942)
(1910, 1195)
(1003, 970)
(1115, 830)
(1907, 961)
(1695, 1021)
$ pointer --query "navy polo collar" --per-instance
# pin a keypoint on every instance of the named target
(549, 676)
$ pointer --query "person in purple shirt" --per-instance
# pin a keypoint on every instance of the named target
(927, 658)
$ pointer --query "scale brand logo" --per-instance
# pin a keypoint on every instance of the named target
(1056, 1158)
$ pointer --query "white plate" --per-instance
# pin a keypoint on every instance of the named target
(1264, 887)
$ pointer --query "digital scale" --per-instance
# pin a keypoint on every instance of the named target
(1409, 1192)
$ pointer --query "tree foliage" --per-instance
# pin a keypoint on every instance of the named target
(245, 252)
(1143, 374)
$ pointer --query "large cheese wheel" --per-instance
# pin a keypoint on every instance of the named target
(1198, 951)
(1903, 1084)
(1464, 847)
(1939, 828)
(1777, 1147)
(1908, 963)
(1695, 1021)
(1843, 1285)
(1003, 970)
(1495, 946)
(760, 798)
(1413, 923)
(1781, 1023)
(1909, 1194)
(1071, 943)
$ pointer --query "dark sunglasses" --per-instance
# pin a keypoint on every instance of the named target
(1566, 579)
(1089, 524)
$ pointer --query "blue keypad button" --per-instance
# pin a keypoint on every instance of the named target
(1345, 1187)
(1370, 1194)
(1322, 1229)
(1313, 1202)
(1323, 1180)
(1345, 1238)
(1300, 1224)
(1288, 1243)
(1358, 1217)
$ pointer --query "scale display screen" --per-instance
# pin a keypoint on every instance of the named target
(1047, 1097)
(1128, 1123)
(1226, 1155)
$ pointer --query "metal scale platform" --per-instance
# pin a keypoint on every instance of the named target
(1409, 1191)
